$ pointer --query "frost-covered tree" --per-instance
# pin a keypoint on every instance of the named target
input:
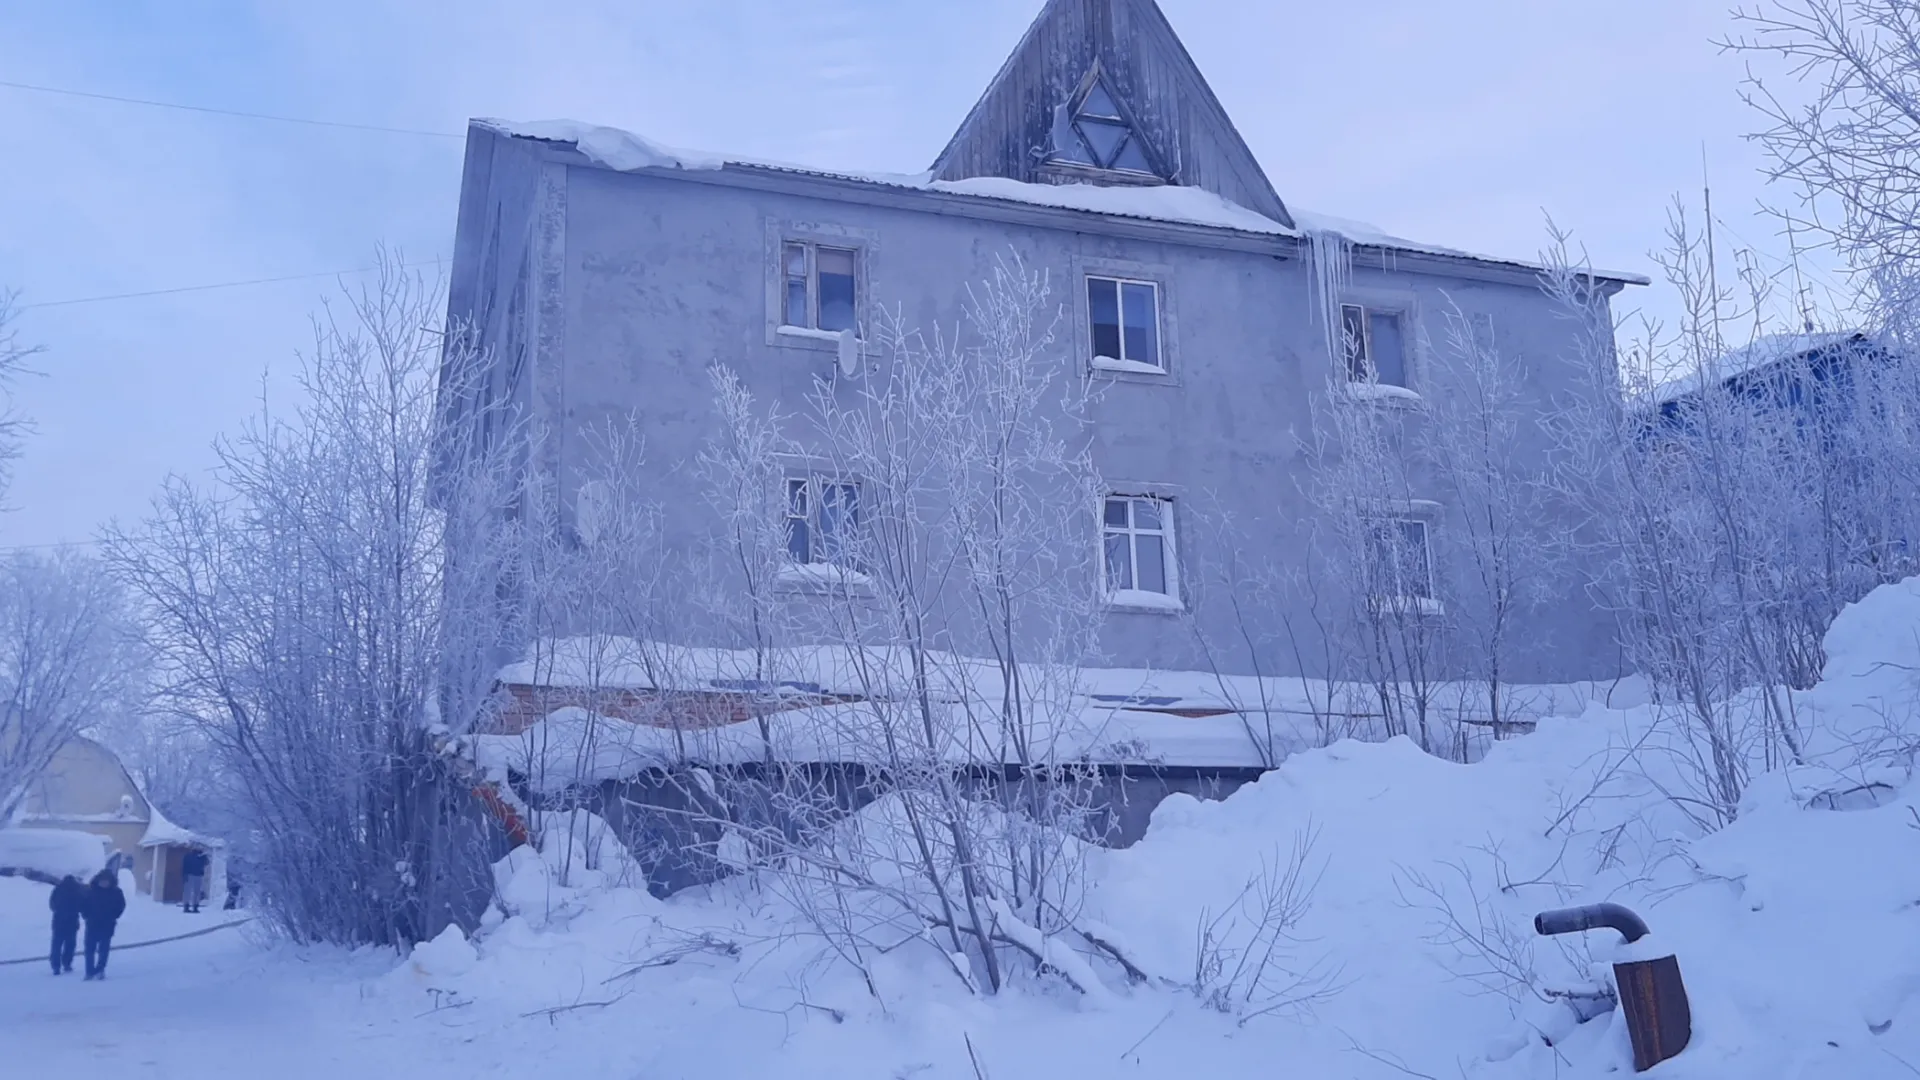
(1742, 487)
(916, 503)
(304, 618)
(14, 356)
(1371, 552)
(69, 656)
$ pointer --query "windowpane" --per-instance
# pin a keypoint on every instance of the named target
(796, 260)
(1417, 573)
(835, 261)
(1104, 138)
(1142, 320)
(1067, 144)
(1099, 103)
(1119, 561)
(795, 313)
(1117, 513)
(1103, 303)
(839, 513)
(1397, 550)
(1146, 514)
(835, 268)
(1132, 158)
(1387, 348)
(1148, 548)
(799, 536)
(1353, 342)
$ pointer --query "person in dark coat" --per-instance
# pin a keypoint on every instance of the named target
(193, 880)
(64, 902)
(102, 907)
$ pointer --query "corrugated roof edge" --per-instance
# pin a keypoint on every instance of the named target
(667, 161)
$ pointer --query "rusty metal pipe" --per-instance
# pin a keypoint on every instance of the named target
(1592, 917)
(1652, 997)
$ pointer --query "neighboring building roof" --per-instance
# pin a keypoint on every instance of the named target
(1763, 352)
(161, 831)
(85, 784)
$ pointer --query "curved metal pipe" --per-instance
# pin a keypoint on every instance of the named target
(1594, 916)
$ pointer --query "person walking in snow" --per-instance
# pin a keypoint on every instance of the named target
(102, 907)
(193, 880)
(64, 902)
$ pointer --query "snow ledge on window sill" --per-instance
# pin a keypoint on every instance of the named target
(1369, 391)
(808, 333)
(1143, 601)
(1129, 367)
(1408, 605)
(821, 578)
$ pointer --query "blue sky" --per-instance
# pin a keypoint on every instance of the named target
(1454, 123)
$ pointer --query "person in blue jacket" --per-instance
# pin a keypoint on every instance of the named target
(64, 902)
(102, 908)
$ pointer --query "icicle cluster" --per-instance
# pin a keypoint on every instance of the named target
(1331, 254)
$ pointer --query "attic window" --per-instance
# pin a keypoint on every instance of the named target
(1098, 134)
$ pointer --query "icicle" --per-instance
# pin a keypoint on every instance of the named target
(1332, 256)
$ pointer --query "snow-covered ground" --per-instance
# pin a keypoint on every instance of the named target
(1797, 929)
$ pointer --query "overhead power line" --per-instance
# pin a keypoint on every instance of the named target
(214, 285)
(211, 111)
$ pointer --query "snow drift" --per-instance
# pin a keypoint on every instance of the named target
(53, 852)
(1408, 949)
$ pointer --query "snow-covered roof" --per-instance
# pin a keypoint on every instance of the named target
(161, 831)
(625, 151)
(1763, 351)
(1108, 716)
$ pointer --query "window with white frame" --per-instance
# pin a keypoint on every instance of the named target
(1400, 561)
(823, 519)
(1123, 318)
(1137, 550)
(819, 286)
(1374, 344)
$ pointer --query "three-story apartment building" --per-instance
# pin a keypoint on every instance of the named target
(603, 275)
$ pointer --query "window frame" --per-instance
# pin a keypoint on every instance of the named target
(815, 484)
(1076, 113)
(1124, 363)
(1403, 306)
(1367, 314)
(865, 246)
(810, 251)
(1135, 598)
(1425, 516)
(1166, 306)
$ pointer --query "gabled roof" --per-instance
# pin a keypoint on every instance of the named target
(1102, 91)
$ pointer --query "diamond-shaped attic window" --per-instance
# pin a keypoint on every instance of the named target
(1098, 134)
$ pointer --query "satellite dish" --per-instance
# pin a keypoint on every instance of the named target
(849, 353)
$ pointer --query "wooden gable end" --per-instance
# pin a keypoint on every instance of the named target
(1021, 125)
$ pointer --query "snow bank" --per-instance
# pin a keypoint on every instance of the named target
(1794, 925)
(575, 855)
(54, 852)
